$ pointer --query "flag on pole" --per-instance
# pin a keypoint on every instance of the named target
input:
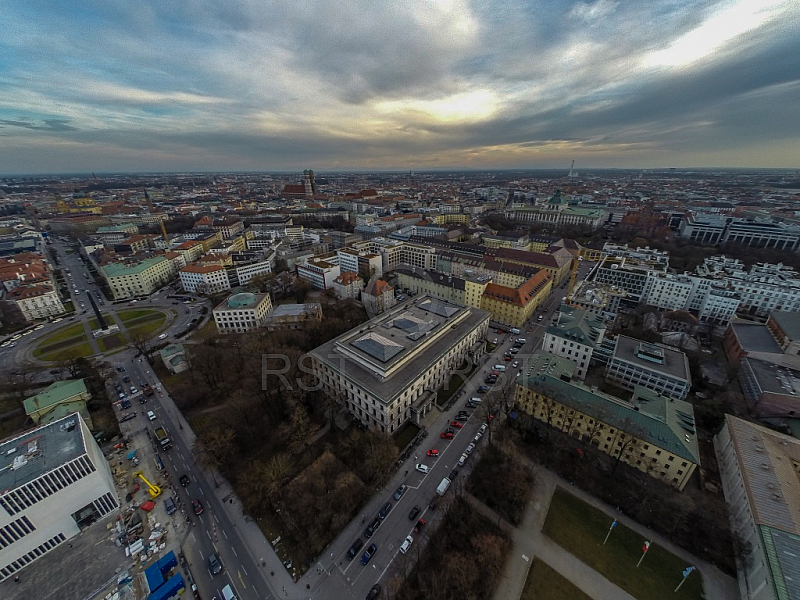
(614, 524)
(688, 570)
(646, 546)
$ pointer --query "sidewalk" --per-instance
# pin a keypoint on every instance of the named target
(529, 542)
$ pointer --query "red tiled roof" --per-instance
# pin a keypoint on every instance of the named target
(193, 268)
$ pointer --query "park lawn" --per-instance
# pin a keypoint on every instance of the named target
(137, 313)
(543, 583)
(110, 342)
(65, 333)
(147, 328)
(84, 349)
(580, 529)
(95, 324)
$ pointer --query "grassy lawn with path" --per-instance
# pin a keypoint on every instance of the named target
(404, 435)
(137, 313)
(454, 383)
(67, 353)
(580, 529)
(147, 328)
(110, 342)
(64, 333)
(543, 583)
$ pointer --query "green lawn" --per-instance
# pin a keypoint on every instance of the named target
(543, 583)
(67, 353)
(138, 313)
(64, 333)
(63, 338)
(147, 328)
(581, 529)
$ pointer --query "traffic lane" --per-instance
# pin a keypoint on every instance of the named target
(215, 522)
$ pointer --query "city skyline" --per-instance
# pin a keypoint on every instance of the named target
(443, 84)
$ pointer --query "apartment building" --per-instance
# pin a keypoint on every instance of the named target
(360, 261)
(348, 285)
(58, 400)
(650, 432)
(243, 273)
(36, 301)
(131, 278)
(574, 334)
(378, 297)
(320, 271)
(56, 484)
(654, 366)
(395, 253)
(204, 279)
(514, 306)
(760, 473)
(240, 313)
(754, 233)
(388, 370)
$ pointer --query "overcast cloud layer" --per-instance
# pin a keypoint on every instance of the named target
(166, 85)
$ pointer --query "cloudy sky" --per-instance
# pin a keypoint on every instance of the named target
(166, 85)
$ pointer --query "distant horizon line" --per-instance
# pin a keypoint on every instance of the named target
(566, 171)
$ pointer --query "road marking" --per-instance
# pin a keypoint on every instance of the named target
(215, 517)
(226, 536)
(182, 457)
(234, 551)
(208, 534)
(244, 585)
(243, 569)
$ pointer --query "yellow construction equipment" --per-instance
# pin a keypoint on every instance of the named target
(154, 490)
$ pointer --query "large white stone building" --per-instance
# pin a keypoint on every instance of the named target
(55, 483)
(389, 369)
(574, 334)
(653, 366)
(204, 279)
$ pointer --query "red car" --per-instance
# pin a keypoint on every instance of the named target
(420, 524)
(447, 435)
(491, 417)
(456, 424)
(508, 358)
(433, 453)
(198, 507)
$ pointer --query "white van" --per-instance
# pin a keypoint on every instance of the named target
(475, 400)
(227, 593)
(500, 368)
(514, 330)
(521, 341)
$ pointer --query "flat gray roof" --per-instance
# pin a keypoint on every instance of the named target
(789, 322)
(754, 337)
(775, 379)
(410, 333)
(675, 363)
(27, 456)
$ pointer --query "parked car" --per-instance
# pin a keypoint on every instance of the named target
(421, 468)
(351, 554)
(374, 592)
(414, 512)
(372, 527)
(368, 554)
(469, 449)
(400, 491)
(453, 475)
(384, 512)
(457, 424)
(433, 453)
(169, 504)
(515, 364)
(483, 427)
(420, 524)
(151, 415)
(406, 544)
(128, 417)
(482, 389)
(462, 417)
(197, 506)
(447, 435)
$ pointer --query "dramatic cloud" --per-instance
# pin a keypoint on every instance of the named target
(173, 85)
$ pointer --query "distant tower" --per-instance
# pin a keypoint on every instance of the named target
(308, 181)
(572, 173)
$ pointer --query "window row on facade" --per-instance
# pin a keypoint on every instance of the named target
(14, 531)
(8, 570)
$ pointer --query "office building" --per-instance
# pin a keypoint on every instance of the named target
(55, 483)
(134, 277)
(574, 334)
(654, 366)
(240, 313)
(388, 370)
(651, 432)
(319, 271)
(760, 473)
(204, 279)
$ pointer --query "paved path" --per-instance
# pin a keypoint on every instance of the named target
(530, 542)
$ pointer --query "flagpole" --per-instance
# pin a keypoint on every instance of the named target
(614, 524)
(686, 572)
(645, 548)
(680, 584)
